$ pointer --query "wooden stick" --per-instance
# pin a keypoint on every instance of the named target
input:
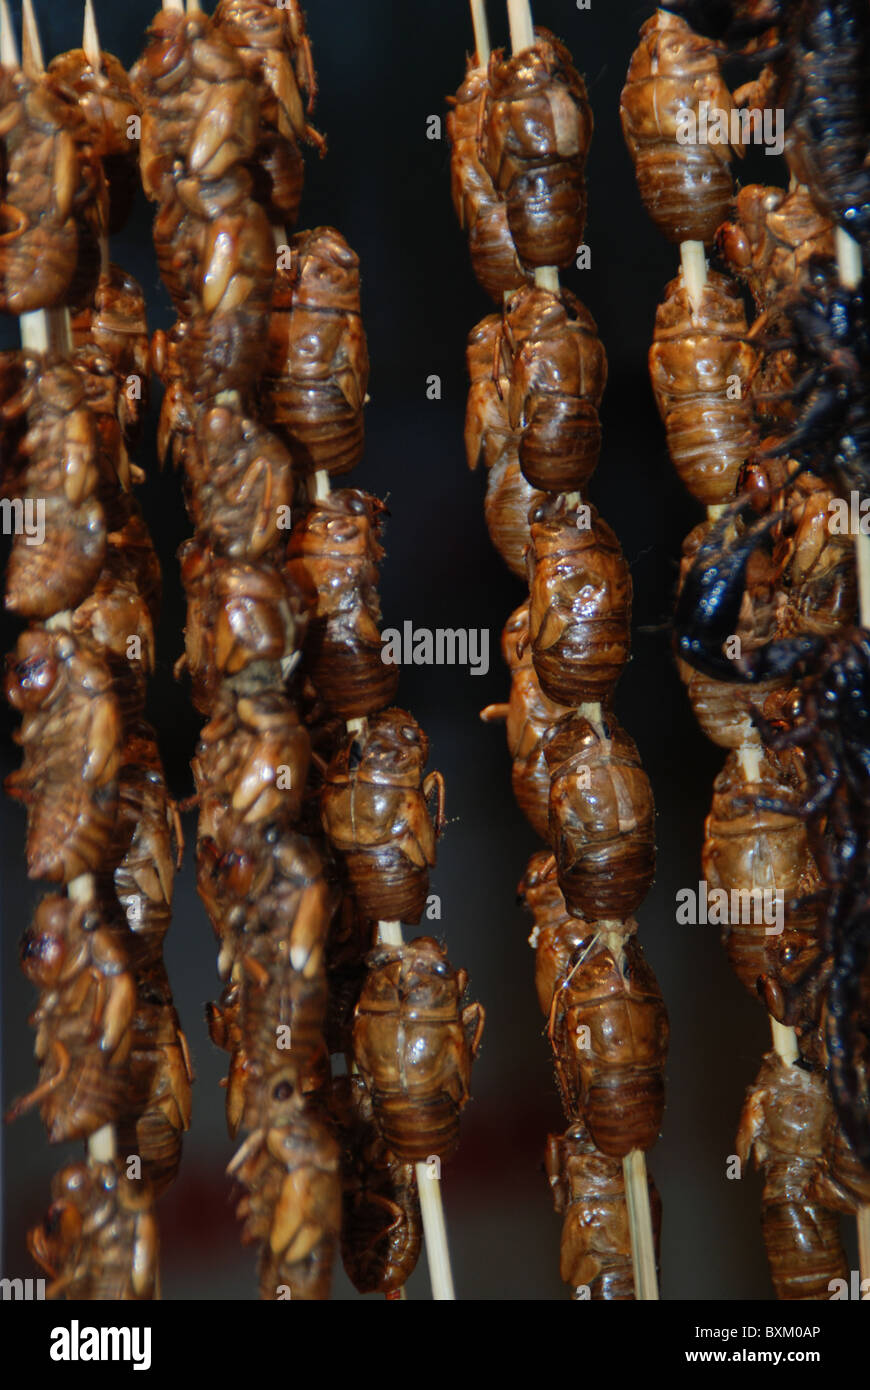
(8, 47)
(481, 32)
(32, 61)
(176, 5)
(522, 28)
(91, 39)
(694, 265)
(850, 269)
(640, 1224)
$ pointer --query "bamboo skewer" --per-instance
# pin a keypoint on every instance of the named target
(481, 32)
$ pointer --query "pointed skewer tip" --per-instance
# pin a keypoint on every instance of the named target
(32, 60)
(8, 47)
(91, 38)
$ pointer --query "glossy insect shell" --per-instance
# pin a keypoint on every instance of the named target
(772, 238)
(589, 1193)
(537, 134)
(381, 1229)
(783, 1124)
(700, 366)
(748, 847)
(558, 375)
(375, 816)
(488, 429)
(414, 1048)
(555, 935)
(239, 485)
(613, 1077)
(509, 499)
(686, 188)
(820, 563)
(580, 603)
(480, 210)
(332, 559)
(105, 98)
(602, 818)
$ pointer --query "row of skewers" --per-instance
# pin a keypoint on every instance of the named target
(317, 825)
(520, 127)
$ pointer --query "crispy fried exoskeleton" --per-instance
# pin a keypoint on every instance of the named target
(381, 1229)
(332, 560)
(71, 736)
(99, 1239)
(115, 323)
(414, 1047)
(602, 817)
(536, 139)
(818, 561)
(116, 618)
(290, 1168)
(274, 47)
(488, 429)
(347, 945)
(239, 484)
(481, 211)
(772, 238)
(783, 1126)
(314, 386)
(59, 470)
(580, 602)
(686, 183)
(609, 1033)
(159, 1096)
(558, 371)
(589, 1193)
(530, 719)
(105, 98)
(701, 365)
(375, 815)
(555, 935)
(84, 1020)
(762, 854)
(509, 499)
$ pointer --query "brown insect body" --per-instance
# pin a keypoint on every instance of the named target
(589, 1193)
(536, 140)
(557, 379)
(701, 364)
(414, 1047)
(771, 240)
(381, 1229)
(602, 818)
(375, 815)
(314, 386)
(290, 1168)
(105, 99)
(158, 1108)
(609, 1033)
(71, 736)
(580, 603)
(84, 1020)
(686, 187)
(783, 1125)
(556, 935)
(239, 484)
(480, 210)
(116, 324)
(99, 1239)
(348, 943)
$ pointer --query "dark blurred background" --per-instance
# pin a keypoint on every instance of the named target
(384, 68)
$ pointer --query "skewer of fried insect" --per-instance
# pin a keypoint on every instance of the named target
(850, 269)
(44, 331)
(634, 1167)
(428, 1182)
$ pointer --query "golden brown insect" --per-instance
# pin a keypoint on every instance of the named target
(158, 1105)
(242, 621)
(176, 430)
(557, 377)
(290, 1167)
(580, 602)
(536, 140)
(239, 484)
(347, 945)
(509, 499)
(783, 1126)
(772, 238)
(609, 1032)
(686, 187)
(58, 468)
(116, 618)
(115, 323)
(488, 429)
(589, 1193)
(84, 1020)
(314, 386)
(381, 1229)
(481, 212)
(530, 718)
(763, 856)
(276, 52)
(555, 935)
(332, 560)
(602, 817)
(104, 97)
(701, 365)
(40, 180)
(99, 1239)
(71, 736)
(375, 815)
(414, 1047)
